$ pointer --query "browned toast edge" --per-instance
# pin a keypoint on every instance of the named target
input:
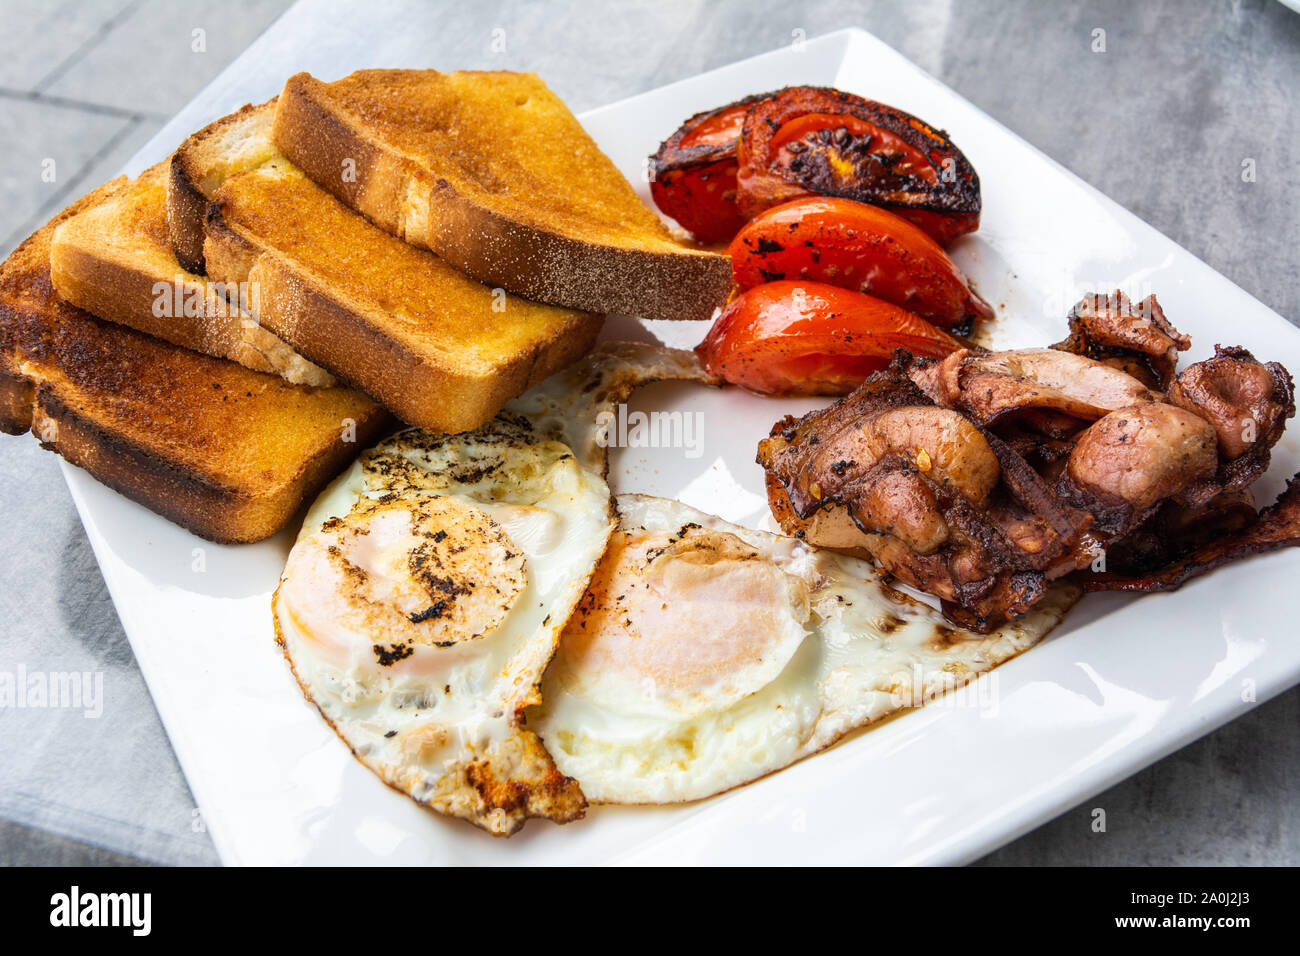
(493, 248)
(17, 398)
(185, 209)
(208, 508)
(321, 325)
(88, 272)
(217, 513)
(186, 202)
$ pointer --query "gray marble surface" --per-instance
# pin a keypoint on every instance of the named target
(1161, 121)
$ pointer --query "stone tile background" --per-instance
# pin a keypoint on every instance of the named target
(1161, 123)
(88, 82)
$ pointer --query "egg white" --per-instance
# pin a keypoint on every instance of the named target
(839, 650)
(428, 690)
(441, 723)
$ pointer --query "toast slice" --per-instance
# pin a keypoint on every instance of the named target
(115, 260)
(439, 349)
(492, 172)
(229, 453)
(233, 144)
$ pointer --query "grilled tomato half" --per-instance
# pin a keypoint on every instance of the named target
(810, 338)
(809, 140)
(695, 172)
(859, 247)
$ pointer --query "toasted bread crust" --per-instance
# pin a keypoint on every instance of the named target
(440, 387)
(115, 261)
(417, 388)
(226, 452)
(189, 184)
(226, 515)
(552, 268)
(17, 396)
(329, 329)
(185, 209)
(403, 198)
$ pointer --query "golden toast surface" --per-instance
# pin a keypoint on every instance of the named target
(412, 294)
(504, 140)
(219, 448)
(492, 172)
(438, 348)
(115, 260)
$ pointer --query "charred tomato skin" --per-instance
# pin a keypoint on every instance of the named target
(809, 338)
(694, 172)
(817, 141)
(856, 246)
(701, 198)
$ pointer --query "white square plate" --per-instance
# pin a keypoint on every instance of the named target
(1122, 682)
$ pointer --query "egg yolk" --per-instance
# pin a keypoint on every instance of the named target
(399, 574)
(692, 620)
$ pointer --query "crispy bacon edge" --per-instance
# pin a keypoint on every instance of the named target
(1278, 527)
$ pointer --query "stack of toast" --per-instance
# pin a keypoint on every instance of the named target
(218, 337)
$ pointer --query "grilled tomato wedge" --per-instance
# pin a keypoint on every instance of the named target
(694, 178)
(859, 247)
(809, 140)
(809, 338)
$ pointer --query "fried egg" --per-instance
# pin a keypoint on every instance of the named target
(705, 655)
(429, 585)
